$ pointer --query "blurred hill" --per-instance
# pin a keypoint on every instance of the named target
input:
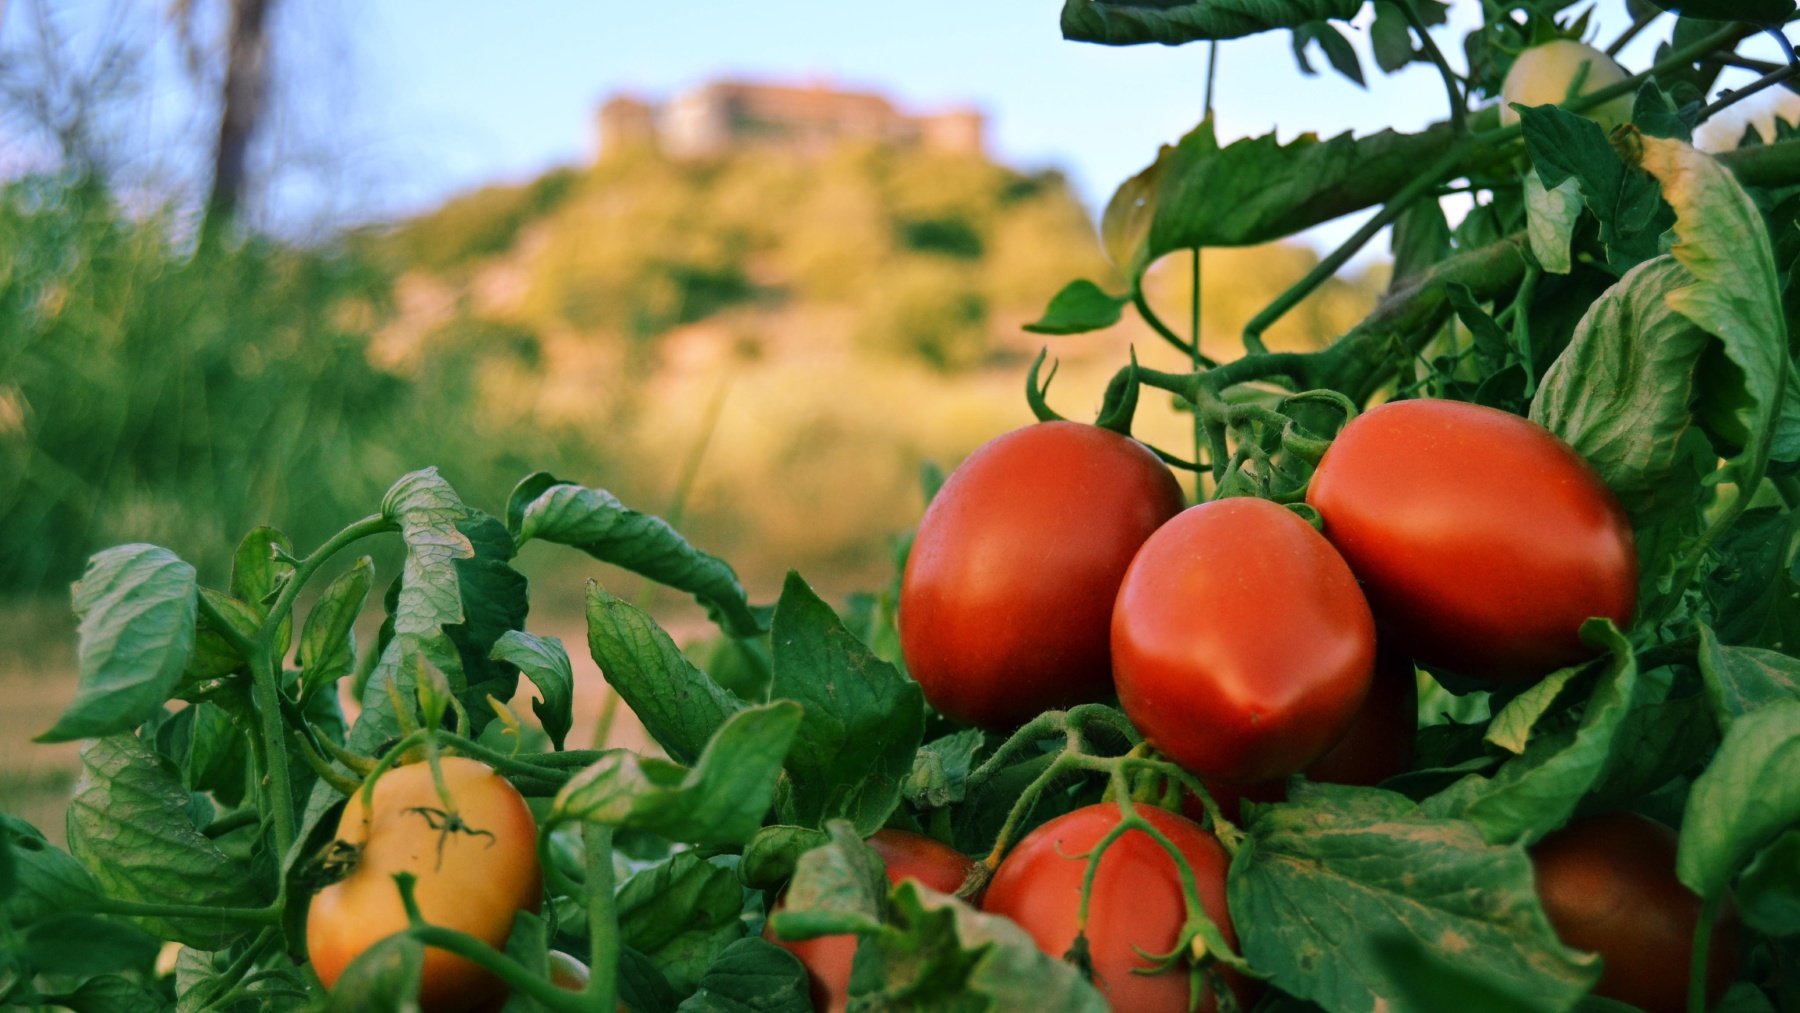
(797, 332)
(767, 343)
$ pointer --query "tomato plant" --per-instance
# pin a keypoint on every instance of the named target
(1011, 578)
(1135, 911)
(905, 856)
(472, 845)
(1483, 541)
(1558, 465)
(1242, 647)
(1608, 885)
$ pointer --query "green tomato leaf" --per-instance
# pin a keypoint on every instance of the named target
(940, 773)
(938, 953)
(1619, 393)
(863, 719)
(752, 975)
(136, 605)
(1538, 791)
(771, 855)
(1198, 194)
(262, 564)
(1550, 217)
(1741, 680)
(1768, 893)
(427, 511)
(641, 985)
(1338, 51)
(1749, 586)
(385, 979)
(594, 521)
(1565, 145)
(214, 656)
(840, 886)
(681, 706)
(107, 994)
(494, 603)
(1747, 795)
(46, 882)
(1080, 306)
(681, 914)
(87, 944)
(1391, 38)
(546, 664)
(722, 799)
(1172, 22)
(1326, 887)
(1428, 978)
(1656, 742)
(328, 640)
(1421, 239)
(130, 826)
(1511, 728)
(1735, 295)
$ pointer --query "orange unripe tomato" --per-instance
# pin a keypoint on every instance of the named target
(475, 868)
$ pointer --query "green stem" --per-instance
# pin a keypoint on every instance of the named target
(221, 625)
(1022, 808)
(1638, 24)
(516, 976)
(1696, 996)
(1459, 113)
(231, 979)
(603, 919)
(374, 524)
(270, 915)
(461, 944)
(266, 694)
(1156, 323)
(1421, 184)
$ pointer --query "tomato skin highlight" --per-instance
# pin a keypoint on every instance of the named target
(1242, 646)
(1608, 884)
(1008, 589)
(908, 856)
(1137, 900)
(477, 885)
(1483, 542)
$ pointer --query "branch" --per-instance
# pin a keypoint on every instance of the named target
(1730, 98)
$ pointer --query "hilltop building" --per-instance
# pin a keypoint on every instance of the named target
(727, 115)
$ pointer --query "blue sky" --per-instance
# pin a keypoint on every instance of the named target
(392, 105)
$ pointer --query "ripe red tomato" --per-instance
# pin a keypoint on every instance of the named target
(1608, 884)
(1009, 587)
(1482, 541)
(908, 856)
(1241, 644)
(1378, 745)
(1136, 905)
(473, 879)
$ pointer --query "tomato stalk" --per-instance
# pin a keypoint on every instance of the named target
(516, 976)
(1199, 926)
(1696, 997)
(603, 919)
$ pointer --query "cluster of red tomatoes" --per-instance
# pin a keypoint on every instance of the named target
(1057, 565)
